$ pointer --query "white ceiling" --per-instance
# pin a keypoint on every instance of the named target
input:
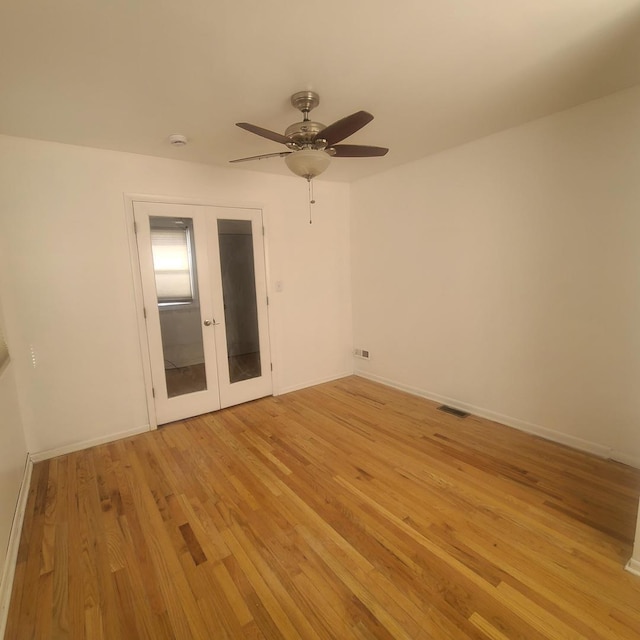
(124, 74)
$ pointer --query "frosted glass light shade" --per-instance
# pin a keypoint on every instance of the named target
(308, 163)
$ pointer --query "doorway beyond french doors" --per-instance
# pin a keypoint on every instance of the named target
(205, 303)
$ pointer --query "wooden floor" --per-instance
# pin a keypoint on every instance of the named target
(347, 510)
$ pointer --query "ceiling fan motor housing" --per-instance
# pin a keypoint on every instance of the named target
(303, 134)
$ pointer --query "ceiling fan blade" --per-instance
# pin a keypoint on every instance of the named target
(344, 128)
(281, 154)
(265, 133)
(358, 151)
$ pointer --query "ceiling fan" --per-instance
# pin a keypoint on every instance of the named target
(311, 144)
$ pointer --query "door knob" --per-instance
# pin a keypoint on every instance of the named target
(208, 323)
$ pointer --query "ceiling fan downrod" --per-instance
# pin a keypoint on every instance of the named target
(305, 101)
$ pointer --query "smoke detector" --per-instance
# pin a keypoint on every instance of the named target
(177, 140)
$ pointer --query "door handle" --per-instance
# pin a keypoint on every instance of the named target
(208, 323)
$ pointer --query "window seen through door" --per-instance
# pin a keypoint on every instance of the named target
(172, 247)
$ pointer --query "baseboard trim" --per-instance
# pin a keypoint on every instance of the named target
(528, 427)
(312, 383)
(633, 566)
(625, 458)
(86, 444)
(11, 558)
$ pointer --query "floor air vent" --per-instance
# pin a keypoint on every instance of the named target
(453, 411)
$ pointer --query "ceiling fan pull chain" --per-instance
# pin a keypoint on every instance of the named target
(311, 199)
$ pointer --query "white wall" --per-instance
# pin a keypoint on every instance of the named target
(504, 276)
(13, 456)
(70, 303)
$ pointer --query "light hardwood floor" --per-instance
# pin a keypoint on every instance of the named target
(347, 510)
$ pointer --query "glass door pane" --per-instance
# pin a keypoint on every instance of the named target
(235, 241)
(176, 280)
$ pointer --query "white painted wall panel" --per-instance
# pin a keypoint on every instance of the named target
(13, 455)
(504, 276)
(70, 304)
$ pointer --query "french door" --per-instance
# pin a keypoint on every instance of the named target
(205, 304)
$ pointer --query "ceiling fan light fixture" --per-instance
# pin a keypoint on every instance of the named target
(308, 163)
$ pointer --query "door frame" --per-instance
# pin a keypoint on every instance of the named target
(129, 201)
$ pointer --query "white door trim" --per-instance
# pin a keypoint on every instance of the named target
(145, 360)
